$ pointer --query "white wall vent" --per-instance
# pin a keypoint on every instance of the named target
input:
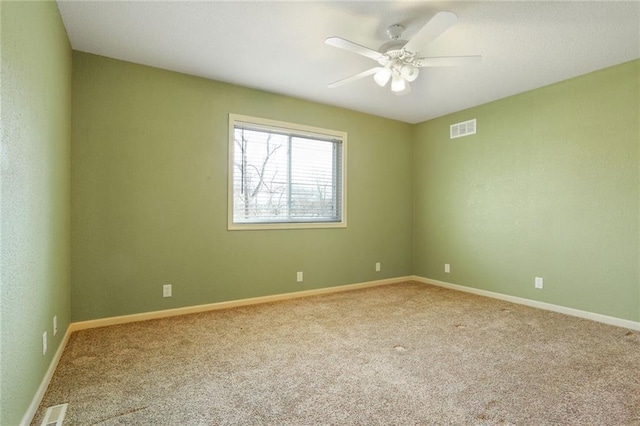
(464, 128)
(54, 416)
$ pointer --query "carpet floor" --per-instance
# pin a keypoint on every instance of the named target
(400, 354)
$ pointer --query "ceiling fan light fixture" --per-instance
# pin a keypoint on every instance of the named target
(382, 76)
(398, 84)
(409, 72)
(406, 90)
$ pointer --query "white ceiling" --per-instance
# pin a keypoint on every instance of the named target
(278, 46)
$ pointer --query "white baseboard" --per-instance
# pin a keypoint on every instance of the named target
(633, 325)
(37, 398)
(103, 322)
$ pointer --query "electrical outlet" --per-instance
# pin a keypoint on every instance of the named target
(44, 343)
(299, 277)
(447, 268)
(539, 282)
(166, 290)
(55, 325)
(377, 266)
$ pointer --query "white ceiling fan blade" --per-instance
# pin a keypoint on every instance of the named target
(437, 25)
(353, 47)
(354, 77)
(446, 61)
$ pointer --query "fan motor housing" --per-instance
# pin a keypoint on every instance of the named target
(390, 47)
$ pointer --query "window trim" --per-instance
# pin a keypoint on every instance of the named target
(298, 129)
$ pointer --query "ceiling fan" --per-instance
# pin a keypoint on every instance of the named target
(398, 58)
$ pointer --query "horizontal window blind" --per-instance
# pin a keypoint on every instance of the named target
(283, 175)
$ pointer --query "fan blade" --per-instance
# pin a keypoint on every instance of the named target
(437, 25)
(354, 77)
(446, 61)
(353, 47)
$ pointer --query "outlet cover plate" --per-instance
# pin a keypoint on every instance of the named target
(166, 290)
(539, 282)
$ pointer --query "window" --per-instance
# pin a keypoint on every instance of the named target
(284, 175)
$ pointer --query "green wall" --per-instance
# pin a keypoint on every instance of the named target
(35, 197)
(149, 195)
(548, 187)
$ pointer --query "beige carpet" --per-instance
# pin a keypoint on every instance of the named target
(401, 354)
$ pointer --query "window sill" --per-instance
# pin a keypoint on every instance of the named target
(275, 226)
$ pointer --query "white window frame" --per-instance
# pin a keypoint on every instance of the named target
(300, 130)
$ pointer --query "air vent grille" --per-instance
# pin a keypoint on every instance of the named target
(464, 128)
(54, 416)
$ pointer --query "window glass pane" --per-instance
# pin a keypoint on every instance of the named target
(260, 175)
(312, 179)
